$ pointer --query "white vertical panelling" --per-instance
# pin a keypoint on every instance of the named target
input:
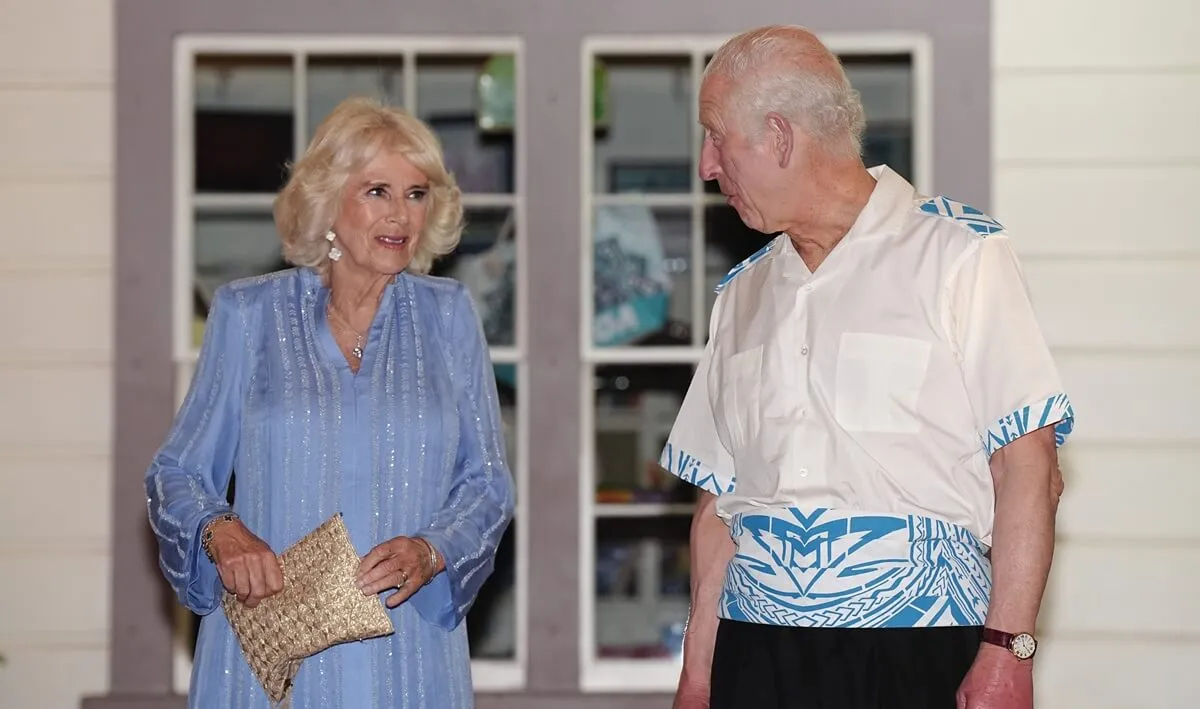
(1096, 118)
(51, 605)
(79, 486)
(55, 357)
(83, 241)
(57, 315)
(1133, 399)
(1131, 493)
(56, 42)
(1090, 582)
(1111, 35)
(55, 409)
(1129, 212)
(1112, 305)
(52, 133)
(1097, 168)
(1117, 672)
(53, 676)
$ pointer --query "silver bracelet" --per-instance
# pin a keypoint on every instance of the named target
(206, 534)
(433, 555)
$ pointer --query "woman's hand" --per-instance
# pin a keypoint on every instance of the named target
(404, 563)
(248, 567)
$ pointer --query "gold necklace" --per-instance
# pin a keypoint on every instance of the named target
(359, 340)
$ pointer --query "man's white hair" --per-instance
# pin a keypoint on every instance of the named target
(785, 69)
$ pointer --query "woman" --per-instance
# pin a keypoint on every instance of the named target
(350, 384)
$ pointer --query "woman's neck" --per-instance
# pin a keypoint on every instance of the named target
(355, 298)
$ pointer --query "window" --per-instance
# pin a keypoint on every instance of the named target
(246, 107)
(657, 241)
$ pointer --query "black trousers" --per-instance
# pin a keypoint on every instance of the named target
(771, 667)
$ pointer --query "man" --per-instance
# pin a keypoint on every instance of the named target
(874, 421)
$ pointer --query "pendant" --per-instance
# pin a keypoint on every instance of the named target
(357, 351)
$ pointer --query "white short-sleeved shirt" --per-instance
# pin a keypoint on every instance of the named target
(846, 417)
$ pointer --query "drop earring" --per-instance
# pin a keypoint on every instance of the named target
(334, 252)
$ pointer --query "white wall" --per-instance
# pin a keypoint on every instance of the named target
(56, 209)
(1097, 157)
(1097, 164)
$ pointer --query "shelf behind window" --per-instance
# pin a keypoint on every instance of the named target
(643, 509)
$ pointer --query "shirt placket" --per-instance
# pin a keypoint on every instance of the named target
(806, 451)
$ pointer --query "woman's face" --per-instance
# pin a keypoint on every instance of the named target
(381, 217)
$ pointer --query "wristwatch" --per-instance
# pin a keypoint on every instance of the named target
(1021, 645)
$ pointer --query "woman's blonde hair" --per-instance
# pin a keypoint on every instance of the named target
(352, 135)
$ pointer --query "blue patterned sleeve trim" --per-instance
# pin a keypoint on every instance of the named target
(1055, 410)
(753, 258)
(690, 469)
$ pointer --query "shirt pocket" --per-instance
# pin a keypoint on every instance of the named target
(879, 382)
(741, 394)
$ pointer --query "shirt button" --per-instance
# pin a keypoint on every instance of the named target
(808, 286)
(804, 350)
(804, 472)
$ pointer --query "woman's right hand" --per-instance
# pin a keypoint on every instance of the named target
(248, 567)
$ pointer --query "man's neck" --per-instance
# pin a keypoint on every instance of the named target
(831, 215)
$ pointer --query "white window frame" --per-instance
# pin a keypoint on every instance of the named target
(662, 675)
(487, 675)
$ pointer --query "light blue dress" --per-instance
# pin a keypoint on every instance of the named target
(411, 445)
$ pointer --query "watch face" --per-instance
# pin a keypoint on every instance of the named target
(1023, 646)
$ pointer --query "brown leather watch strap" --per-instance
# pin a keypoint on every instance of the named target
(997, 637)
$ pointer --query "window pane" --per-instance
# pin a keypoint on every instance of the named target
(243, 122)
(486, 262)
(227, 246)
(331, 79)
(643, 124)
(885, 83)
(642, 259)
(642, 577)
(478, 147)
(635, 407)
(727, 242)
(492, 621)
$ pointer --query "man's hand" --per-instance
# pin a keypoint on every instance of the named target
(711, 550)
(690, 696)
(997, 680)
(1028, 484)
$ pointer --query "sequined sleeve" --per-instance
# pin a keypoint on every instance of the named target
(188, 477)
(468, 527)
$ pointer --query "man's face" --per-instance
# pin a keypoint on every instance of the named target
(747, 171)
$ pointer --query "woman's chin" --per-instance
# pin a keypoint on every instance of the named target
(392, 261)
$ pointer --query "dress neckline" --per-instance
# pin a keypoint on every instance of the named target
(374, 335)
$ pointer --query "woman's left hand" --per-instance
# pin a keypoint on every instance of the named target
(403, 563)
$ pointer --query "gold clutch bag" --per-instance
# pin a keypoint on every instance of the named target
(318, 607)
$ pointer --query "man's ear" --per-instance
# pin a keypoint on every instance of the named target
(782, 137)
